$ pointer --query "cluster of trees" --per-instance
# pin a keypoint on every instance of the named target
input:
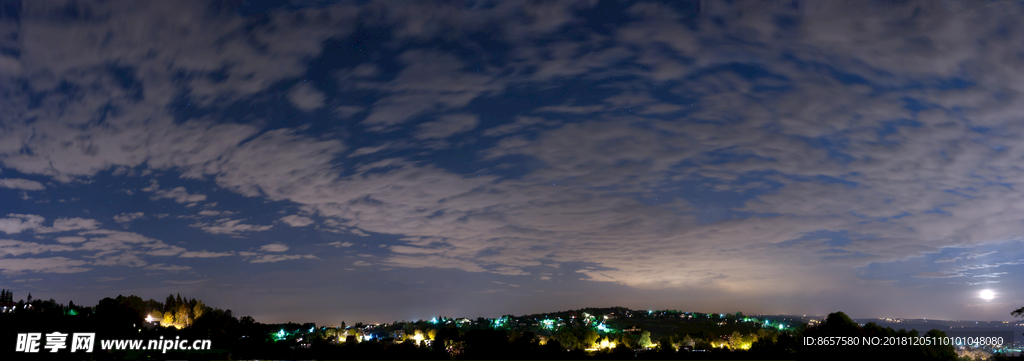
(123, 317)
(180, 313)
(588, 338)
(585, 338)
(706, 340)
(131, 310)
(36, 306)
(6, 296)
(342, 334)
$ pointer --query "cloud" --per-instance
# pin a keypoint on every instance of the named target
(128, 217)
(23, 184)
(447, 125)
(274, 247)
(205, 254)
(15, 248)
(421, 261)
(166, 268)
(347, 111)
(272, 258)
(431, 81)
(16, 223)
(305, 97)
(11, 266)
(340, 244)
(212, 213)
(71, 239)
(71, 224)
(22, 222)
(521, 123)
(232, 227)
(296, 221)
(118, 248)
(179, 194)
(936, 275)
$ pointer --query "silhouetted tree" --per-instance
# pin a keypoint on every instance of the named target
(169, 304)
(198, 310)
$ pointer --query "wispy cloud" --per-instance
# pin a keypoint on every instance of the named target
(23, 184)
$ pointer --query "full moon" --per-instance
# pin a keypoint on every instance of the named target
(988, 294)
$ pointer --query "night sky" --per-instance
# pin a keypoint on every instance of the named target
(376, 161)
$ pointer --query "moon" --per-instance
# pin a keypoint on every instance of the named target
(988, 294)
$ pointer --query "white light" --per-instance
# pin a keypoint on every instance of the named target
(988, 294)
